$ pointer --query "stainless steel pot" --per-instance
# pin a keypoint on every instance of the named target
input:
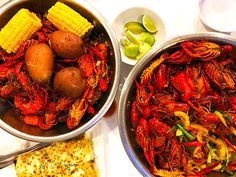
(8, 117)
(127, 136)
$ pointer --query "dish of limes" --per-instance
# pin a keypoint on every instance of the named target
(138, 37)
(138, 29)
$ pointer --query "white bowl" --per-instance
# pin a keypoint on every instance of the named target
(132, 14)
(219, 15)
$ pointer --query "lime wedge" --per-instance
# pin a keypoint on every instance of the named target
(148, 24)
(148, 38)
(143, 49)
(132, 37)
(125, 42)
(131, 50)
(134, 27)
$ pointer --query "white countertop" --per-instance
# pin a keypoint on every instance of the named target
(180, 17)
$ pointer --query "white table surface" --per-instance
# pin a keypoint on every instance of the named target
(180, 17)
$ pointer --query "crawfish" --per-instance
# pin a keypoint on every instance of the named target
(163, 98)
(179, 57)
(103, 84)
(49, 118)
(160, 128)
(42, 37)
(159, 134)
(63, 104)
(101, 68)
(101, 51)
(199, 83)
(160, 77)
(213, 98)
(94, 95)
(169, 107)
(46, 122)
(9, 90)
(22, 78)
(142, 135)
(101, 71)
(147, 74)
(24, 81)
(183, 83)
(144, 94)
(31, 120)
(203, 86)
(134, 114)
(204, 114)
(48, 27)
(159, 143)
(203, 50)
(6, 73)
(232, 102)
(28, 104)
(78, 109)
(172, 156)
(30, 101)
(168, 104)
(20, 52)
(86, 64)
(220, 76)
(6, 69)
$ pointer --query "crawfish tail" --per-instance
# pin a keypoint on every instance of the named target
(31, 120)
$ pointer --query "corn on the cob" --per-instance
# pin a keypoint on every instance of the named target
(66, 19)
(19, 29)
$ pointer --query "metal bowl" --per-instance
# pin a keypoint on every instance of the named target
(8, 117)
(127, 135)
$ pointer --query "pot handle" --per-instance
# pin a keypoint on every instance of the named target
(8, 159)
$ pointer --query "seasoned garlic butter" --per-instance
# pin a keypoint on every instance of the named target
(73, 158)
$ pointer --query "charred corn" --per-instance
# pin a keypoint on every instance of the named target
(20, 28)
(66, 19)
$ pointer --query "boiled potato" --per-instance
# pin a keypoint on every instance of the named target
(70, 82)
(66, 44)
(39, 61)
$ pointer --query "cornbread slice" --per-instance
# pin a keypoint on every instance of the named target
(73, 158)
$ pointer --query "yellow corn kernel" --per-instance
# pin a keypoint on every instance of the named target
(67, 19)
(19, 29)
